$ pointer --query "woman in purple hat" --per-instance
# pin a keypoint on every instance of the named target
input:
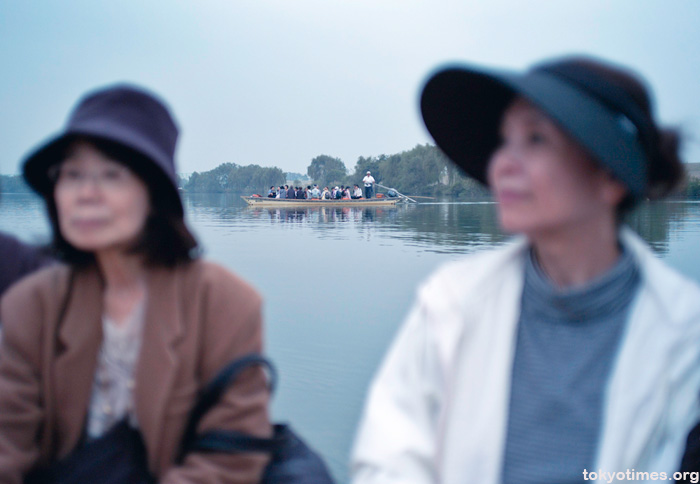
(119, 339)
(572, 353)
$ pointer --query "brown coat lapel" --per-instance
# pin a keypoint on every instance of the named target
(79, 336)
(158, 362)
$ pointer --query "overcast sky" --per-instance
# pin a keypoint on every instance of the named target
(278, 82)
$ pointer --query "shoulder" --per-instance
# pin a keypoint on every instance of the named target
(676, 295)
(42, 284)
(218, 285)
(474, 276)
(26, 306)
(18, 259)
(18, 249)
(9, 242)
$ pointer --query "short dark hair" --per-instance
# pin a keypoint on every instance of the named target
(165, 240)
(665, 166)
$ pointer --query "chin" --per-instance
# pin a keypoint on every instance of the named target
(91, 244)
(513, 224)
(87, 246)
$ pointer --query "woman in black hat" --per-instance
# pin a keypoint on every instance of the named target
(120, 338)
(571, 354)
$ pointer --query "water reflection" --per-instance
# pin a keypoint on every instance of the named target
(439, 227)
(654, 221)
(448, 227)
(324, 215)
(436, 227)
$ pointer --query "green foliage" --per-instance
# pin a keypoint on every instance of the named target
(229, 177)
(327, 171)
(424, 170)
(692, 189)
(13, 184)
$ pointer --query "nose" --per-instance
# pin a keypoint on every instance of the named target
(504, 161)
(89, 187)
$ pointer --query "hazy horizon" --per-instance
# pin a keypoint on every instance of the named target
(277, 83)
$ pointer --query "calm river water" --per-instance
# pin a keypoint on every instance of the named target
(338, 282)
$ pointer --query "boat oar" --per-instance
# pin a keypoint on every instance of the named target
(397, 192)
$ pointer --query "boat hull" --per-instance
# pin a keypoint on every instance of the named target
(294, 202)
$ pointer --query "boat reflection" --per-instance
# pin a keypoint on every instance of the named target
(322, 214)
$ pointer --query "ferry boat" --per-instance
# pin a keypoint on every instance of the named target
(258, 201)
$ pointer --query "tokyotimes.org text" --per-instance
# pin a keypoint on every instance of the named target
(632, 475)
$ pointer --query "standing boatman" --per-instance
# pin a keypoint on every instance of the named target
(368, 180)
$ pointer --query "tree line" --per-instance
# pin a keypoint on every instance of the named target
(421, 171)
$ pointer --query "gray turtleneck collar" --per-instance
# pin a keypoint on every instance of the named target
(603, 296)
(566, 345)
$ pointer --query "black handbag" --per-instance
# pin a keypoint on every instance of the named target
(118, 457)
(292, 460)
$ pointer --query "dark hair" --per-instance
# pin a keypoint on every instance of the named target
(165, 240)
(665, 168)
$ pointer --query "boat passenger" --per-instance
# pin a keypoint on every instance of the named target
(291, 193)
(271, 193)
(300, 193)
(356, 193)
(315, 193)
(571, 350)
(282, 193)
(109, 348)
(326, 194)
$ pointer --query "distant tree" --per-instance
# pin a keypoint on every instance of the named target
(13, 184)
(692, 189)
(229, 177)
(326, 170)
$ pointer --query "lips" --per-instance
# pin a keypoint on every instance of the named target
(89, 223)
(507, 196)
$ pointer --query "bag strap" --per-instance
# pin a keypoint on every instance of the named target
(226, 440)
(233, 441)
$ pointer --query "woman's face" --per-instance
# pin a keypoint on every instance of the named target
(102, 205)
(543, 180)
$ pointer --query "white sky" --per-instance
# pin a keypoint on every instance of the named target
(278, 82)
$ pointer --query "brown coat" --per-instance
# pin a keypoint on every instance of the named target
(198, 317)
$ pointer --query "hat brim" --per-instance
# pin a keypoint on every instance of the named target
(37, 164)
(462, 109)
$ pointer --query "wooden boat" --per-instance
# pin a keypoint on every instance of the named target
(298, 202)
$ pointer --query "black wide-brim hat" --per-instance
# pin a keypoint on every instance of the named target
(462, 107)
(130, 117)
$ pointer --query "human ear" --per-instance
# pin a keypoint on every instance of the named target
(613, 191)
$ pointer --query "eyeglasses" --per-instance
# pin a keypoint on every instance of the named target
(111, 178)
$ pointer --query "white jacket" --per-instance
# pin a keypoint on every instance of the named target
(437, 411)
